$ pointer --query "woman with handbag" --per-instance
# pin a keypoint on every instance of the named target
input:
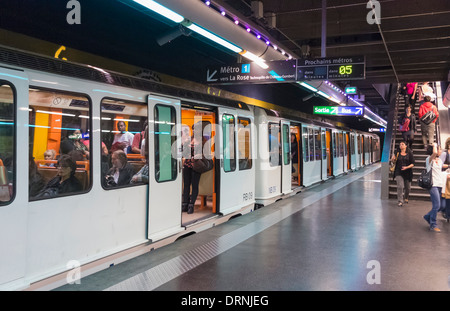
(434, 163)
(191, 177)
(403, 174)
(408, 126)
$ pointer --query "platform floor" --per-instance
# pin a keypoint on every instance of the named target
(336, 236)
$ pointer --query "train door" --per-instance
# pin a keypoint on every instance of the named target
(286, 163)
(237, 172)
(329, 155)
(13, 173)
(344, 150)
(295, 150)
(324, 155)
(199, 122)
(164, 199)
(349, 154)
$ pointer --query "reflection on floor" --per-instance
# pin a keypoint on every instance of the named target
(200, 212)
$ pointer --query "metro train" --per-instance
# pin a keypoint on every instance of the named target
(49, 104)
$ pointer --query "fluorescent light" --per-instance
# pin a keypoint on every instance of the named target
(259, 61)
(309, 87)
(162, 10)
(57, 113)
(213, 37)
(324, 94)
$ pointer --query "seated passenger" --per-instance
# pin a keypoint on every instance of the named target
(49, 154)
(142, 175)
(121, 172)
(65, 180)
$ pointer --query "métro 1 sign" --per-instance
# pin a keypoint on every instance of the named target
(339, 110)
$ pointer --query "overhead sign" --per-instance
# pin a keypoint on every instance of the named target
(381, 130)
(278, 71)
(350, 90)
(339, 110)
(343, 68)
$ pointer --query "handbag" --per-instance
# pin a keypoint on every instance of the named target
(425, 179)
(392, 167)
(405, 126)
(202, 165)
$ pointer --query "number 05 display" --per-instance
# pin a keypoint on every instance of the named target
(346, 70)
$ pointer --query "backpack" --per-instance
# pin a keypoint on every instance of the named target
(404, 127)
(428, 117)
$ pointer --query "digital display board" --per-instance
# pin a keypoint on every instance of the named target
(343, 68)
(339, 110)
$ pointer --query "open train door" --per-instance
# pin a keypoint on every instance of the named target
(237, 170)
(164, 146)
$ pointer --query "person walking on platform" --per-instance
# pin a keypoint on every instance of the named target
(407, 123)
(403, 174)
(434, 163)
(426, 128)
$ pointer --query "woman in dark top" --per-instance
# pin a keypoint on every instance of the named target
(65, 180)
(403, 172)
(408, 136)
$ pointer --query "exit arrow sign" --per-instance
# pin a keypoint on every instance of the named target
(339, 110)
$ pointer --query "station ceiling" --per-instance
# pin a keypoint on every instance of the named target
(412, 43)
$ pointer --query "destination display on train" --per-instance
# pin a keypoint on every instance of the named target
(282, 71)
(339, 110)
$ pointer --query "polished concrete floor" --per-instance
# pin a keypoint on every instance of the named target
(337, 236)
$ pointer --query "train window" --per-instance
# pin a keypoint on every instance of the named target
(317, 144)
(334, 135)
(287, 145)
(165, 163)
(344, 141)
(7, 142)
(60, 146)
(324, 145)
(359, 144)
(311, 144)
(244, 144)
(124, 156)
(352, 144)
(305, 144)
(229, 151)
(341, 145)
(274, 144)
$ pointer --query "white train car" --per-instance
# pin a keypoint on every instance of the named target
(95, 117)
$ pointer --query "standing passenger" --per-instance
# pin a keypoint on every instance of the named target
(434, 163)
(403, 172)
(122, 140)
(191, 177)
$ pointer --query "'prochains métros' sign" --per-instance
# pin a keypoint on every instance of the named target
(339, 110)
(342, 68)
